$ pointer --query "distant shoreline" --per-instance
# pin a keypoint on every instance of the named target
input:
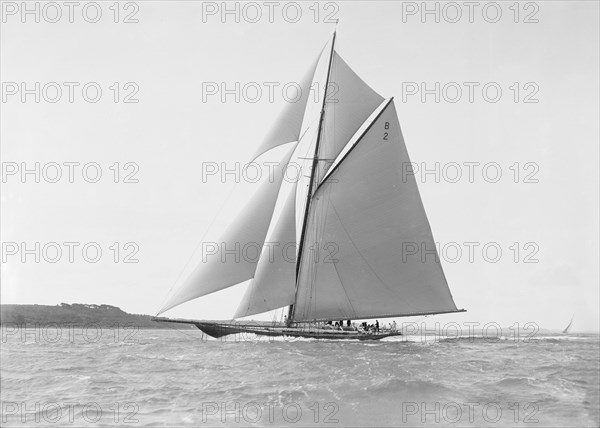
(78, 315)
(107, 316)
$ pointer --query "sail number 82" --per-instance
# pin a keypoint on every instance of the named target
(386, 126)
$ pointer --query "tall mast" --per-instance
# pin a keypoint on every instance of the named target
(311, 181)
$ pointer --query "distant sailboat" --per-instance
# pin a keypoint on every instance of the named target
(567, 328)
(354, 196)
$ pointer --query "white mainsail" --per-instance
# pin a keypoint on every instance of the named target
(363, 220)
(349, 259)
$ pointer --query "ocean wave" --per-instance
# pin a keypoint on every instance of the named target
(171, 378)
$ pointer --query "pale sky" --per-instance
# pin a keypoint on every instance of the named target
(171, 132)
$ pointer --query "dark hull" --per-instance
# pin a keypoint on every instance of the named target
(221, 329)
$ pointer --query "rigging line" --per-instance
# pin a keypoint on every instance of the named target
(315, 266)
(251, 285)
(318, 231)
(320, 173)
(185, 334)
(311, 181)
(308, 126)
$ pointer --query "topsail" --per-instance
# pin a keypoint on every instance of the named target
(339, 241)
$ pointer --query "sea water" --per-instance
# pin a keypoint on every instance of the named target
(58, 376)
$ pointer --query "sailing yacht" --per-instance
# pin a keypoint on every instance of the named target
(568, 327)
(352, 197)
